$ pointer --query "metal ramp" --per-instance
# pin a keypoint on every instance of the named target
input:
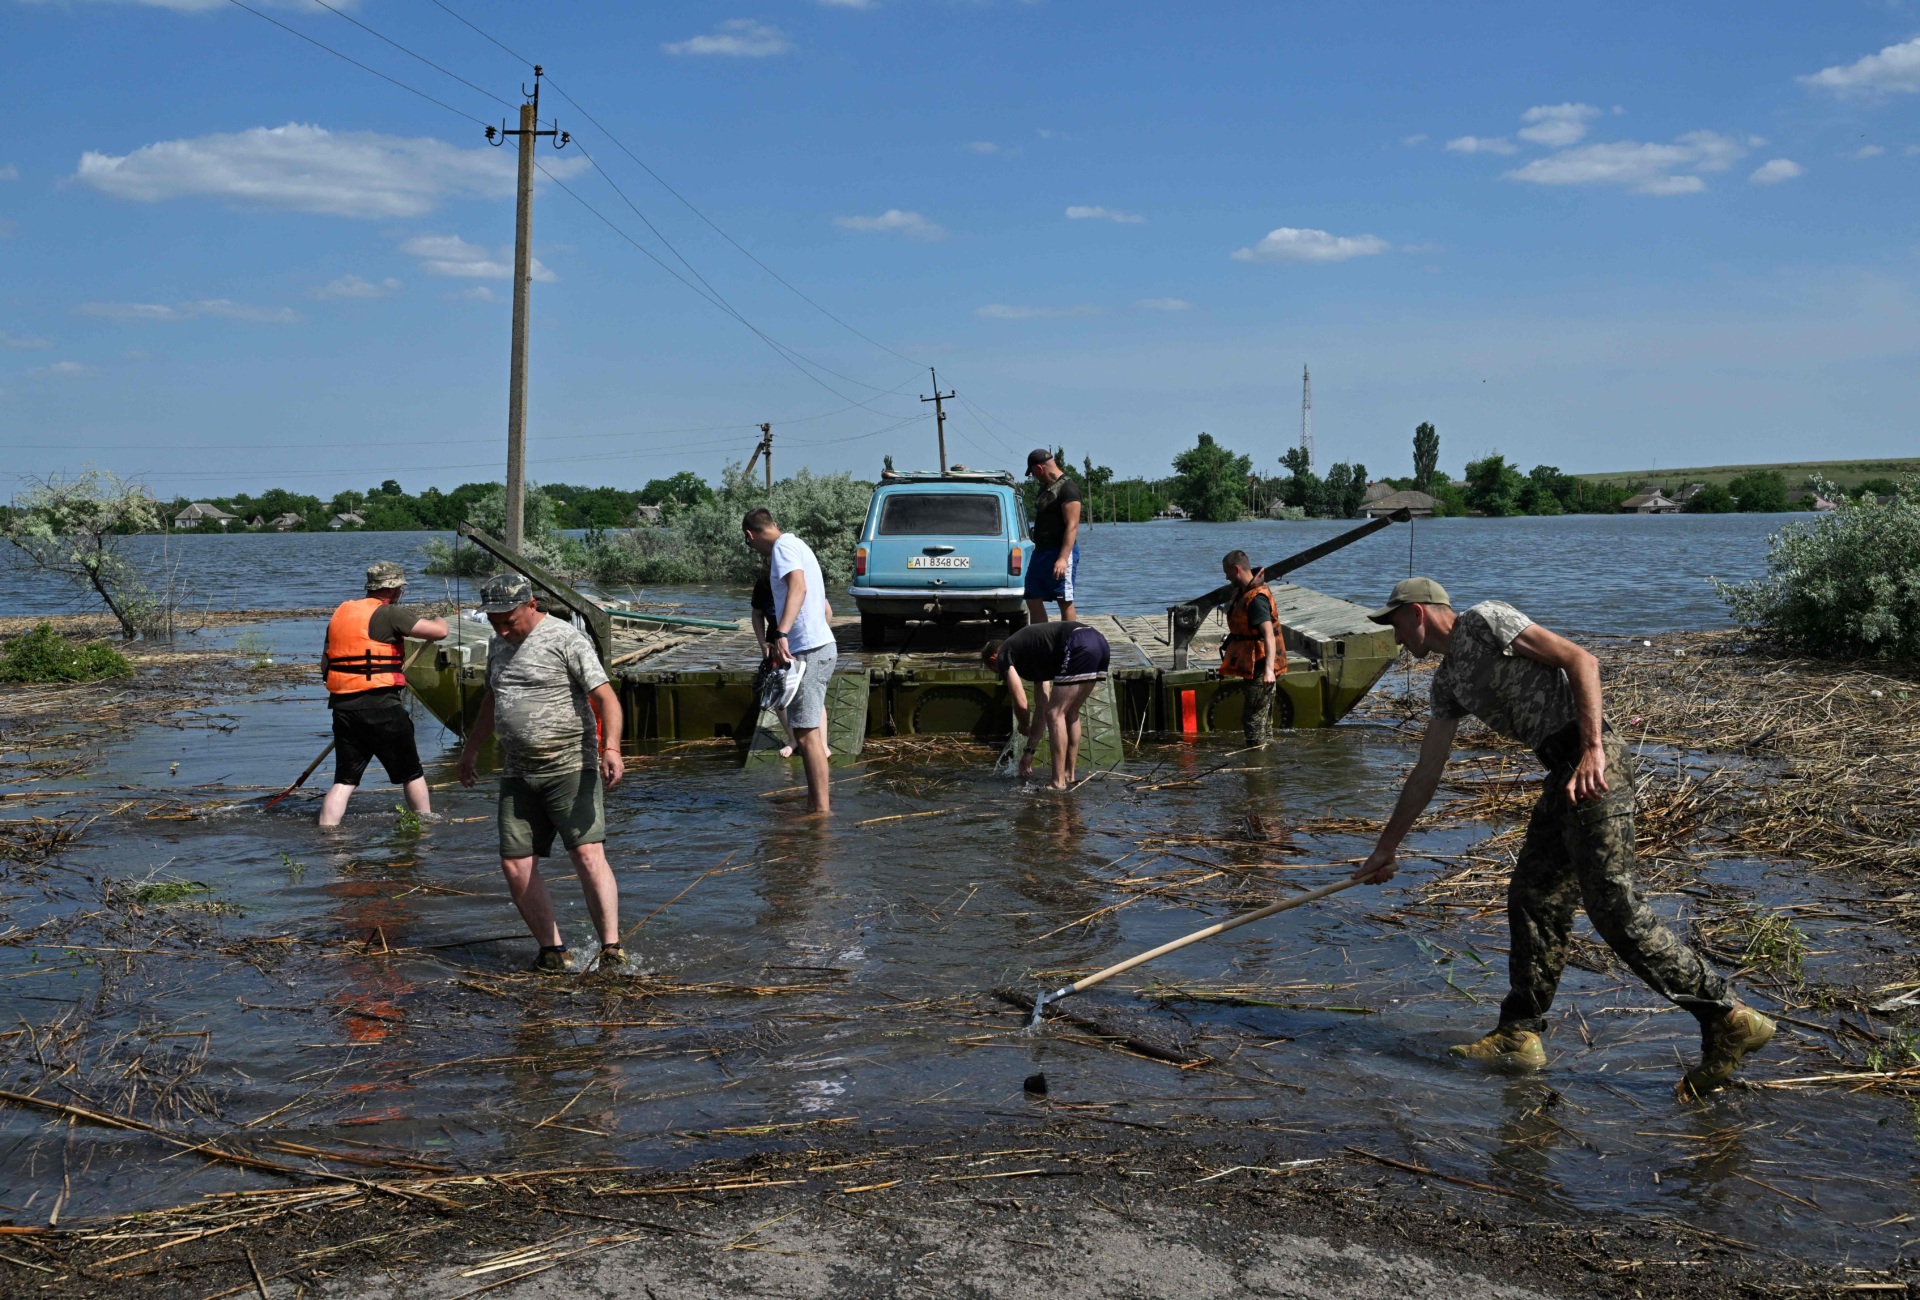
(847, 695)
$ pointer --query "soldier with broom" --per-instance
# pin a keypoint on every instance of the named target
(1536, 687)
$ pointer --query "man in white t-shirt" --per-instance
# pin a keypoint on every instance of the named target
(801, 634)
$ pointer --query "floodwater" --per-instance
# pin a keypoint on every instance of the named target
(1580, 573)
(277, 994)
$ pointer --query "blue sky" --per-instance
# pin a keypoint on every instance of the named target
(1597, 237)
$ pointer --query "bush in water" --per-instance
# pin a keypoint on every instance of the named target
(1847, 584)
(43, 655)
(701, 541)
(542, 541)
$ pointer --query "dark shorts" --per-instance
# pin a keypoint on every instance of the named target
(1084, 658)
(535, 808)
(1041, 584)
(385, 733)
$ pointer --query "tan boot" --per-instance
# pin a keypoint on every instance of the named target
(1513, 1049)
(1741, 1032)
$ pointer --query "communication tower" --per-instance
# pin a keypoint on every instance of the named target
(1306, 415)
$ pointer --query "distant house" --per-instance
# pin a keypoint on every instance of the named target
(1808, 499)
(287, 519)
(257, 521)
(645, 516)
(1688, 493)
(348, 520)
(1174, 510)
(1652, 502)
(1419, 503)
(200, 512)
(1377, 492)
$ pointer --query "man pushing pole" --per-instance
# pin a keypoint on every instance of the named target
(1542, 690)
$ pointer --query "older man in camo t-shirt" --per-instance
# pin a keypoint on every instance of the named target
(1544, 691)
(544, 686)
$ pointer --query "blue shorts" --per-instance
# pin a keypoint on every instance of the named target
(1041, 584)
(1084, 658)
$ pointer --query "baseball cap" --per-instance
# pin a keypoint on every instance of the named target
(1412, 591)
(1038, 456)
(382, 574)
(504, 592)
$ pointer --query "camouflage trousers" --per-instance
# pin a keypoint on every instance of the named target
(1257, 720)
(1581, 855)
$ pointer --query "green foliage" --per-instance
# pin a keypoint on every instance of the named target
(1448, 500)
(1846, 584)
(1545, 491)
(701, 541)
(1303, 489)
(72, 528)
(406, 821)
(541, 540)
(1426, 457)
(1713, 499)
(1899, 1051)
(1762, 491)
(1493, 486)
(1345, 488)
(1211, 482)
(43, 655)
(1774, 943)
(1587, 497)
(160, 893)
(1874, 487)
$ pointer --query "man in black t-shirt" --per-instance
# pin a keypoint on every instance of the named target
(1065, 661)
(366, 680)
(1055, 562)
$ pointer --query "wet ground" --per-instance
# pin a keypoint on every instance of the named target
(218, 971)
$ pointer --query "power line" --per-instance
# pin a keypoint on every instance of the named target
(412, 55)
(514, 53)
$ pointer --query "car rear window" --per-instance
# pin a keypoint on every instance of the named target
(949, 514)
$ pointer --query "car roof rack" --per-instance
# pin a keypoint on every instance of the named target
(957, 474)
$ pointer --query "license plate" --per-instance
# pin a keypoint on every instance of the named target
(939, 561)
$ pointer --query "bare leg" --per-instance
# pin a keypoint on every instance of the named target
(603, 895)
(1066, 612)
(1058, 741)
(1036, 611)
(417, 797)
(334, 806)
(786, 750)
(531, 897)
(1073, 744)
(812, 744)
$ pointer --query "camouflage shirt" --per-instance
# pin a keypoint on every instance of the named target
(1518, 697)
(540, 690)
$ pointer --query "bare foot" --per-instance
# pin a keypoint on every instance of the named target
(786, 751)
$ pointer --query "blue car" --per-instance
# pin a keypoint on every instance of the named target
(944, 548)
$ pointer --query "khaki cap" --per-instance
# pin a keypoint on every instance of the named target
(382, 574)
(504, 592)
(1412, 591)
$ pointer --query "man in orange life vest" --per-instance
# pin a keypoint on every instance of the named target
(365, 677)
(1253, 649)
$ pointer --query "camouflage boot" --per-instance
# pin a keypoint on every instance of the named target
(551, 961)
(1513, 1049)
(1741, 1032)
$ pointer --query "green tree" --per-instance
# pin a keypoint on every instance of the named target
(1493, 486)
(1303, 487)
(1345, 489)
(683, 489)
(1426, 456)
(1545, 491)
(1713, 499)
(1760, 491)
(1211, 481)
(74, 528)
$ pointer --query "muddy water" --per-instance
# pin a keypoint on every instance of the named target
(933, 883)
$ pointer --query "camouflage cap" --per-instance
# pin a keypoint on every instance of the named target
(382, 574)
(504, 592)
(1412, 591)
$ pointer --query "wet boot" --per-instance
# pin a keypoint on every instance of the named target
(551, 961)
(1511, 1049)
(1723, 1042)
(613, 960)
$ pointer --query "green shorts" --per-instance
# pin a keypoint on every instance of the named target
(533, 807)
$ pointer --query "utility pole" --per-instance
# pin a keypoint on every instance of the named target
(1306, 415)
(529, 134)
(939, 416)
(765, 447)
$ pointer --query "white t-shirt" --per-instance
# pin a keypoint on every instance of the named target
(810, 628)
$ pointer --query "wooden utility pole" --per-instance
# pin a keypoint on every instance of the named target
(529, 134)
(764, 447)
(939, 416)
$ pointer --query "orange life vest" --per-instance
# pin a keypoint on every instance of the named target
(353, 660)
(1244, 652)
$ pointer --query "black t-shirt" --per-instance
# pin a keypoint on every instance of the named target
(1049, 517)
(1036, 649)
(762, 598)
(389, 623)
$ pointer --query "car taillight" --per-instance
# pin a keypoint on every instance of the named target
(1014, 558)
(859, 561)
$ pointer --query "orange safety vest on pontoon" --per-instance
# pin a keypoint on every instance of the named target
(1244, 652)
(353, 660)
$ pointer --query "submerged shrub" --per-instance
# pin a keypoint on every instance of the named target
(43, 655)
(1845, 584)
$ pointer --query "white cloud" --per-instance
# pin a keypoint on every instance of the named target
(22, 342)
(63, 370)
(1866, 151)
(1557, 125)
(1895, 68)
(153, 313)
(738, 38)
(1642, 168)
(1291, 244)
(204, 6)
(1164, 304)
(1411, 140)
(352, 286)
(1775, 170)
(985, 147)
(1482, 144)
(895, 222)
(480, 293)
(9, 173)
(1081, 212)
(1001, 311)
(451, 255)
(302, 168)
